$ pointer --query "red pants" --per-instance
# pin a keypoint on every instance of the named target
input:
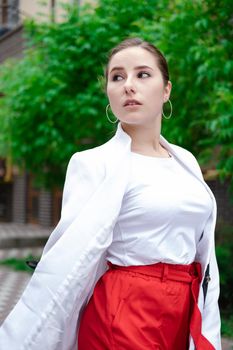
(144, 307)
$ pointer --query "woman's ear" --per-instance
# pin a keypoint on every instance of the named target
(167, 91)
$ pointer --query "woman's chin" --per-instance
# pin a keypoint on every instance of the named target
(132, 119)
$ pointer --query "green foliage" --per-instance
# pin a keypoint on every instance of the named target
(18, 264)
(225, 256)
(227, 326)
(54, 104)
(197, 39)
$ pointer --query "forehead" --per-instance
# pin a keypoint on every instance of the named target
(133, 56)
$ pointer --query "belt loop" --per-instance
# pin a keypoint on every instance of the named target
(164, 273)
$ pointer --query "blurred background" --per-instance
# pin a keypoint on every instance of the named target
(52, 104)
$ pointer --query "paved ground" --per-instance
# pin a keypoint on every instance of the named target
(13, 239)
(20, 235)
(227, 344)
(12, 283)
(13, 230)
(17, 241)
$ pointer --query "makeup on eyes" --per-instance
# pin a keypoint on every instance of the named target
(135, 68)
(116, 75)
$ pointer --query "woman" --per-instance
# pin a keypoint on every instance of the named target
(128, 265)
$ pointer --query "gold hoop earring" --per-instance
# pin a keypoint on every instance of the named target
(170, 112)
(113, 122)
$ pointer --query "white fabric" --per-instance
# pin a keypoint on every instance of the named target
(48, 313)
(163, 214)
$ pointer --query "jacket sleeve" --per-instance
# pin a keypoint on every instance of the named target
(83, 176)
(46, 315)
(211, 316)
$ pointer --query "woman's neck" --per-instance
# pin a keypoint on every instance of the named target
(145, 139)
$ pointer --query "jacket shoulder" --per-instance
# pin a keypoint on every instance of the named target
(91, 162)
(92, 153)
(183, 151)
(189, 155)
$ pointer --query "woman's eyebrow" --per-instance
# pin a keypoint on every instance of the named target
(135, 68)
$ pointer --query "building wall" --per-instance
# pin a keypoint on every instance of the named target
(45, 208)
(14, 12)
(9, 14)
(19, 198)
(44, 12)
(38, 10)
(5, 202)
(12, 44)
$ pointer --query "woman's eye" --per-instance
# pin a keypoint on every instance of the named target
(115, 77)
(142, 74)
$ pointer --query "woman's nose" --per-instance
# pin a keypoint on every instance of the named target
(129, 86)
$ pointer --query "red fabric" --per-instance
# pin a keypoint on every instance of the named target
(144, 307)
(201, 343)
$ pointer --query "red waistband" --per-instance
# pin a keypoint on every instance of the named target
(190, 273)
(175, 272)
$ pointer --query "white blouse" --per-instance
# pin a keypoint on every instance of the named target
(163, 214)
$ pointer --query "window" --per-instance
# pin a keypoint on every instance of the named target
(9, 14)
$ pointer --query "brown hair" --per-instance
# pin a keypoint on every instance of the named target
(131, 42)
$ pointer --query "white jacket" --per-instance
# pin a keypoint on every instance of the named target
(48, 312)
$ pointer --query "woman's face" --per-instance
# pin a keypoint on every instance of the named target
(134, 75)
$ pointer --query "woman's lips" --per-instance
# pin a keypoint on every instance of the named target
(131, 102)
(132, 106)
